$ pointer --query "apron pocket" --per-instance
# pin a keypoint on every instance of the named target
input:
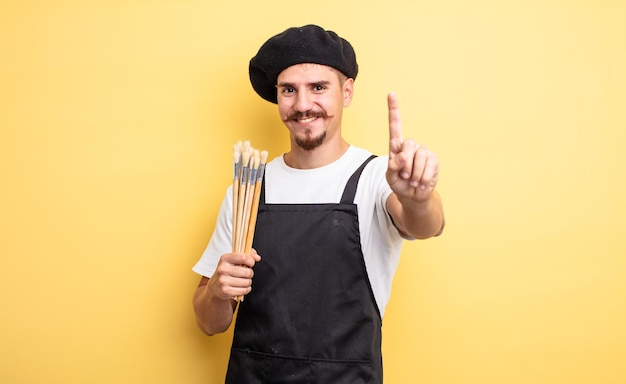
(254, 367)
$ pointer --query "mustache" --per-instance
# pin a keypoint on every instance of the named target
(305, 115)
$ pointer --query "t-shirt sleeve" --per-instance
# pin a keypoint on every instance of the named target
(220, 242)
(383, 192)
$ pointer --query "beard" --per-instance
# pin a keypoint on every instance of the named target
(309, 143)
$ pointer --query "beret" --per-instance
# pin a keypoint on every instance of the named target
(297, 45)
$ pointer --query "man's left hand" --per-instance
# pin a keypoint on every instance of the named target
(413, 169)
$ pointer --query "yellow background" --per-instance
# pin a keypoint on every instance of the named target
(117, 122)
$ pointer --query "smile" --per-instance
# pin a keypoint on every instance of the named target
(305, 120)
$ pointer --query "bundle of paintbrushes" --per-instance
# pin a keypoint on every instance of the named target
(249, 167)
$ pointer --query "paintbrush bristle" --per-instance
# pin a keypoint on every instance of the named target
(264, 155)
(257, 159)
(246, 156)
(236, 153)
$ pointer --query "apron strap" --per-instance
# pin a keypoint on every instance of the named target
(350, 191)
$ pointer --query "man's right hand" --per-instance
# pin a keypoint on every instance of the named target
(213, 300)
(233, 275)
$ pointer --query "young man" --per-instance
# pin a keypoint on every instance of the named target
(329, 230)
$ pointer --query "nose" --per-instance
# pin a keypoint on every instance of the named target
(303, 103)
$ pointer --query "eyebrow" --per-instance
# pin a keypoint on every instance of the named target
(285, 84)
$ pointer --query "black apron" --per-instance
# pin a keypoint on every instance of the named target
(311, 316)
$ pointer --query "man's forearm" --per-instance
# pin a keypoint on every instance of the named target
(213, 314)
(421, 220)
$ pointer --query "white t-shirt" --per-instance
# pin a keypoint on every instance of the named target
(380, 240)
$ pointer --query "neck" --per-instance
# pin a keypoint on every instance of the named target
(323, 155)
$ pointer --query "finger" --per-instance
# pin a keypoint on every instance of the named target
(246, 260)
(236, 287)
(241, 280)
(407, 156)
(235, 259)
(235, 271)
(419, 164)
(431, 172)
(255, 255)
(395, 125)
(227, 284)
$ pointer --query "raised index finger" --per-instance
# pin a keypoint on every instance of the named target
(395, 126)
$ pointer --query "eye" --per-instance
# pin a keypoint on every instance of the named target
(319, 87)
(287, 90)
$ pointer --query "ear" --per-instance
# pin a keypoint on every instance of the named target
(348, 90)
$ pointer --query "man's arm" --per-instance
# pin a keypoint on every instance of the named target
(420, 220)
(412, 174)
(213, 300)
(213, 315)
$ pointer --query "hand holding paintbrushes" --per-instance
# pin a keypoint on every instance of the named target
(249, 167)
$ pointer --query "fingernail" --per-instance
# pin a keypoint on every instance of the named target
(405, 175)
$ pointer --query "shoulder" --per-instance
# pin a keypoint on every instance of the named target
(373, 186)
(357, 153)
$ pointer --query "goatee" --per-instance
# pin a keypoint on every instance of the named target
(310, 143)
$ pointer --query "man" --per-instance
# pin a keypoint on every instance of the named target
(329, 231)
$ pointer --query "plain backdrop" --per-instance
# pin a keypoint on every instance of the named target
(117, 120)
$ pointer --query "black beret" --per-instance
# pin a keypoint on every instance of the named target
(307, 44)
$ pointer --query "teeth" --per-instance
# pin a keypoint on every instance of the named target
(306, 120)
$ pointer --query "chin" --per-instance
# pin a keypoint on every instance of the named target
(310, 143)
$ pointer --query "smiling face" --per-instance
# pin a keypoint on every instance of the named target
(311, 98)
